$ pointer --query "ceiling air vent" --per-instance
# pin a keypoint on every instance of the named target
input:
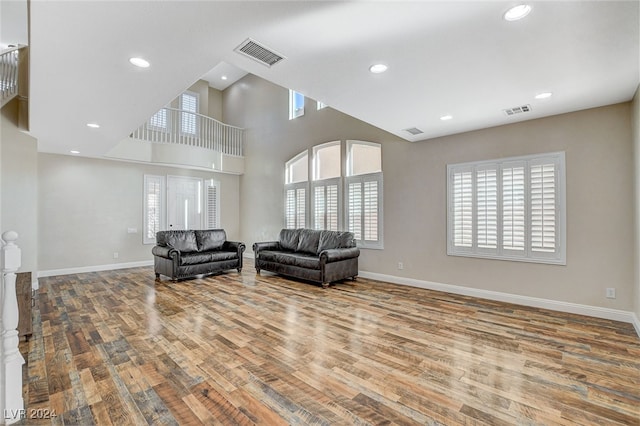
(258, 52)
(414, 131)
(517, 110)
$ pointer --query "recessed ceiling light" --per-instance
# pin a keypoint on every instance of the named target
(517, 12)
(93, 125)
(75, 152)
(378, 68)
(446, 117)
(224, 77)
(139, 62)
(543, 95)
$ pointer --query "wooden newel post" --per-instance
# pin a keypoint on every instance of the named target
(11, 360)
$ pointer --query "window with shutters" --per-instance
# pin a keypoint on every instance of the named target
(154, 207)
(188, 113)
(159, 121)
(326, 186)
(295, 191)
(160, 202)
(345, 191)
(511, 209)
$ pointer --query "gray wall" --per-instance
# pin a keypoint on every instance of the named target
(599, 163)
(86, 206)
(18, 183)
(635, 122)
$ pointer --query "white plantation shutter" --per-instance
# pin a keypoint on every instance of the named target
(487, 208)
(325, 205)
(188, 119)
(153, 209)
(462, 209)
(158, 121)
(354, 211)
(364, 209)
(212, 206)
(508, 209)
(370, 211)
(513, 208)
(295, 199)
(543, 208)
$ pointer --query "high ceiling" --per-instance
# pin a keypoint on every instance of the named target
(444, 58)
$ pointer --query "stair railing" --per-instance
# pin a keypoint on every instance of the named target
(171, 125)
(11, 360)
(10, 72)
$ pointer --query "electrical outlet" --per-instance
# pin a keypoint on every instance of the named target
(611, 293)
(400, 265)
(115, 255)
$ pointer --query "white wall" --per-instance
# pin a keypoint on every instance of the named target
(19, 186)
(599, 162)
(86, 205)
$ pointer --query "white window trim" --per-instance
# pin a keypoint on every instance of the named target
(351, 143)
(527, 255)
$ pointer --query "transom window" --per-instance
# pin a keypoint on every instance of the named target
(512, 209)
(296, 104)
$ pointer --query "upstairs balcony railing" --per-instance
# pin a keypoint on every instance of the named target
(10, 72)
(171, 125)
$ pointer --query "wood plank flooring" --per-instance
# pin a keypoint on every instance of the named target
(118, 348)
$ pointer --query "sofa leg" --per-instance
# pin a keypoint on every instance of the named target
(175, 280)
(239, 270)
(353, 278)
(258, 271)
(157, 277)
(325, 285)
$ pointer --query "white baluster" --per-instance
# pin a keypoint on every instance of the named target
(11, 360)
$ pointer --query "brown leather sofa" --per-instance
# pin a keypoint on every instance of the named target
(183, 254)
(319, 256)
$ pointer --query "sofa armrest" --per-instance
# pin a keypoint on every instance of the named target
(166, 252)
(334, 255)
(268, 245)
(234, 246)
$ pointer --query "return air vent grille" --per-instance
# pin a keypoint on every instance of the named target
(414, 130)
(258, 52)
(517, 110)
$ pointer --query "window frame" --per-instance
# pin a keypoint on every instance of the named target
(528, 252)
(162, 220)
(293, 112)
(363, 179)
(186, 113)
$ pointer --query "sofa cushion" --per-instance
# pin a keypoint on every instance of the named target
(223, 255)
(194, 258)
(335, 239)
(301, 260)
(308, 242)
(289, 239)
(210, 239)
(185, 241)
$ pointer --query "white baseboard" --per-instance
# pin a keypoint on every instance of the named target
(95, 268)
(636, 323)
(534, 302)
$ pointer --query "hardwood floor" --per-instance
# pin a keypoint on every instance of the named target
(119, 348)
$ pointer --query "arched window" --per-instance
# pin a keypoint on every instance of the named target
(346, 190)
(364, 192)
(295, 191)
